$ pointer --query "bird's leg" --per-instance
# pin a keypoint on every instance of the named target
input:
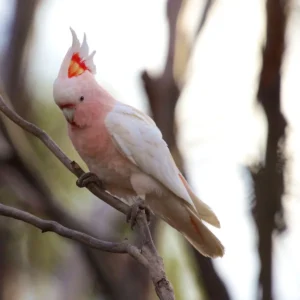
(87, 178)
(134, 211)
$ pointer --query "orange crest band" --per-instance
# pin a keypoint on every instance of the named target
(77, 66)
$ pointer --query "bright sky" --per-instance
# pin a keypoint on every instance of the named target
(220, 128)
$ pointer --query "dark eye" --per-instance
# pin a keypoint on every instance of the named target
(81, 98)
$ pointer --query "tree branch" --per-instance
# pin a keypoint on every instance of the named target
(53, 226)
(155, 265)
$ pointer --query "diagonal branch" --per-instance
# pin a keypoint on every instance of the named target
(163, 287)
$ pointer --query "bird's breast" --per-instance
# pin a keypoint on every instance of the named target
(97, 150)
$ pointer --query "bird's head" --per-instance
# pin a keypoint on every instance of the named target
(75, 85)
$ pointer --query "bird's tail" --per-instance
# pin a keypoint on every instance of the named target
(183, 217)
(201, 237)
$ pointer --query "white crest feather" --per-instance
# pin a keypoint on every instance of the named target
(90, 62)
(83, 50)
(75, 41)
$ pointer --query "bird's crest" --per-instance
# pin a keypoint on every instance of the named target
(78, 60)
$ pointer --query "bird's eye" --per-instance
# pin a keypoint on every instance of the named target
(81, 98)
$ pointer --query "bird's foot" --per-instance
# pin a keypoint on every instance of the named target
(135, 209)
(88, 178)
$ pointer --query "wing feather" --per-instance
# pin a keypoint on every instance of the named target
(137, 137)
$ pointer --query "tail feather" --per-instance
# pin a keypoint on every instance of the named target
(204, 211)
(202, 238)
(183, 217)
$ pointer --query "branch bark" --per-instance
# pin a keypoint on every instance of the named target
(155, 265)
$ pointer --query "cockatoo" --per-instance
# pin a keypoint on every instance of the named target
(126, 151)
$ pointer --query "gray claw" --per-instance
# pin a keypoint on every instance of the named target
(134, 211)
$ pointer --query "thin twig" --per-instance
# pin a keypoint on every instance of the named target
(151, 259)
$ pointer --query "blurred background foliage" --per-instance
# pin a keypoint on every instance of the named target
(207, 57)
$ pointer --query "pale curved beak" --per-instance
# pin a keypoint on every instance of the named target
(69, 113)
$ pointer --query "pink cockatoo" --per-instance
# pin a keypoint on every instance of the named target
(125, 149)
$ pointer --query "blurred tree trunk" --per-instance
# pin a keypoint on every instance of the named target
(3, 260)
(163, 93)
(269, 181)
(15, 58)
(11, 80)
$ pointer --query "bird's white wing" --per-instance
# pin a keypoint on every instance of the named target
(138, 138)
